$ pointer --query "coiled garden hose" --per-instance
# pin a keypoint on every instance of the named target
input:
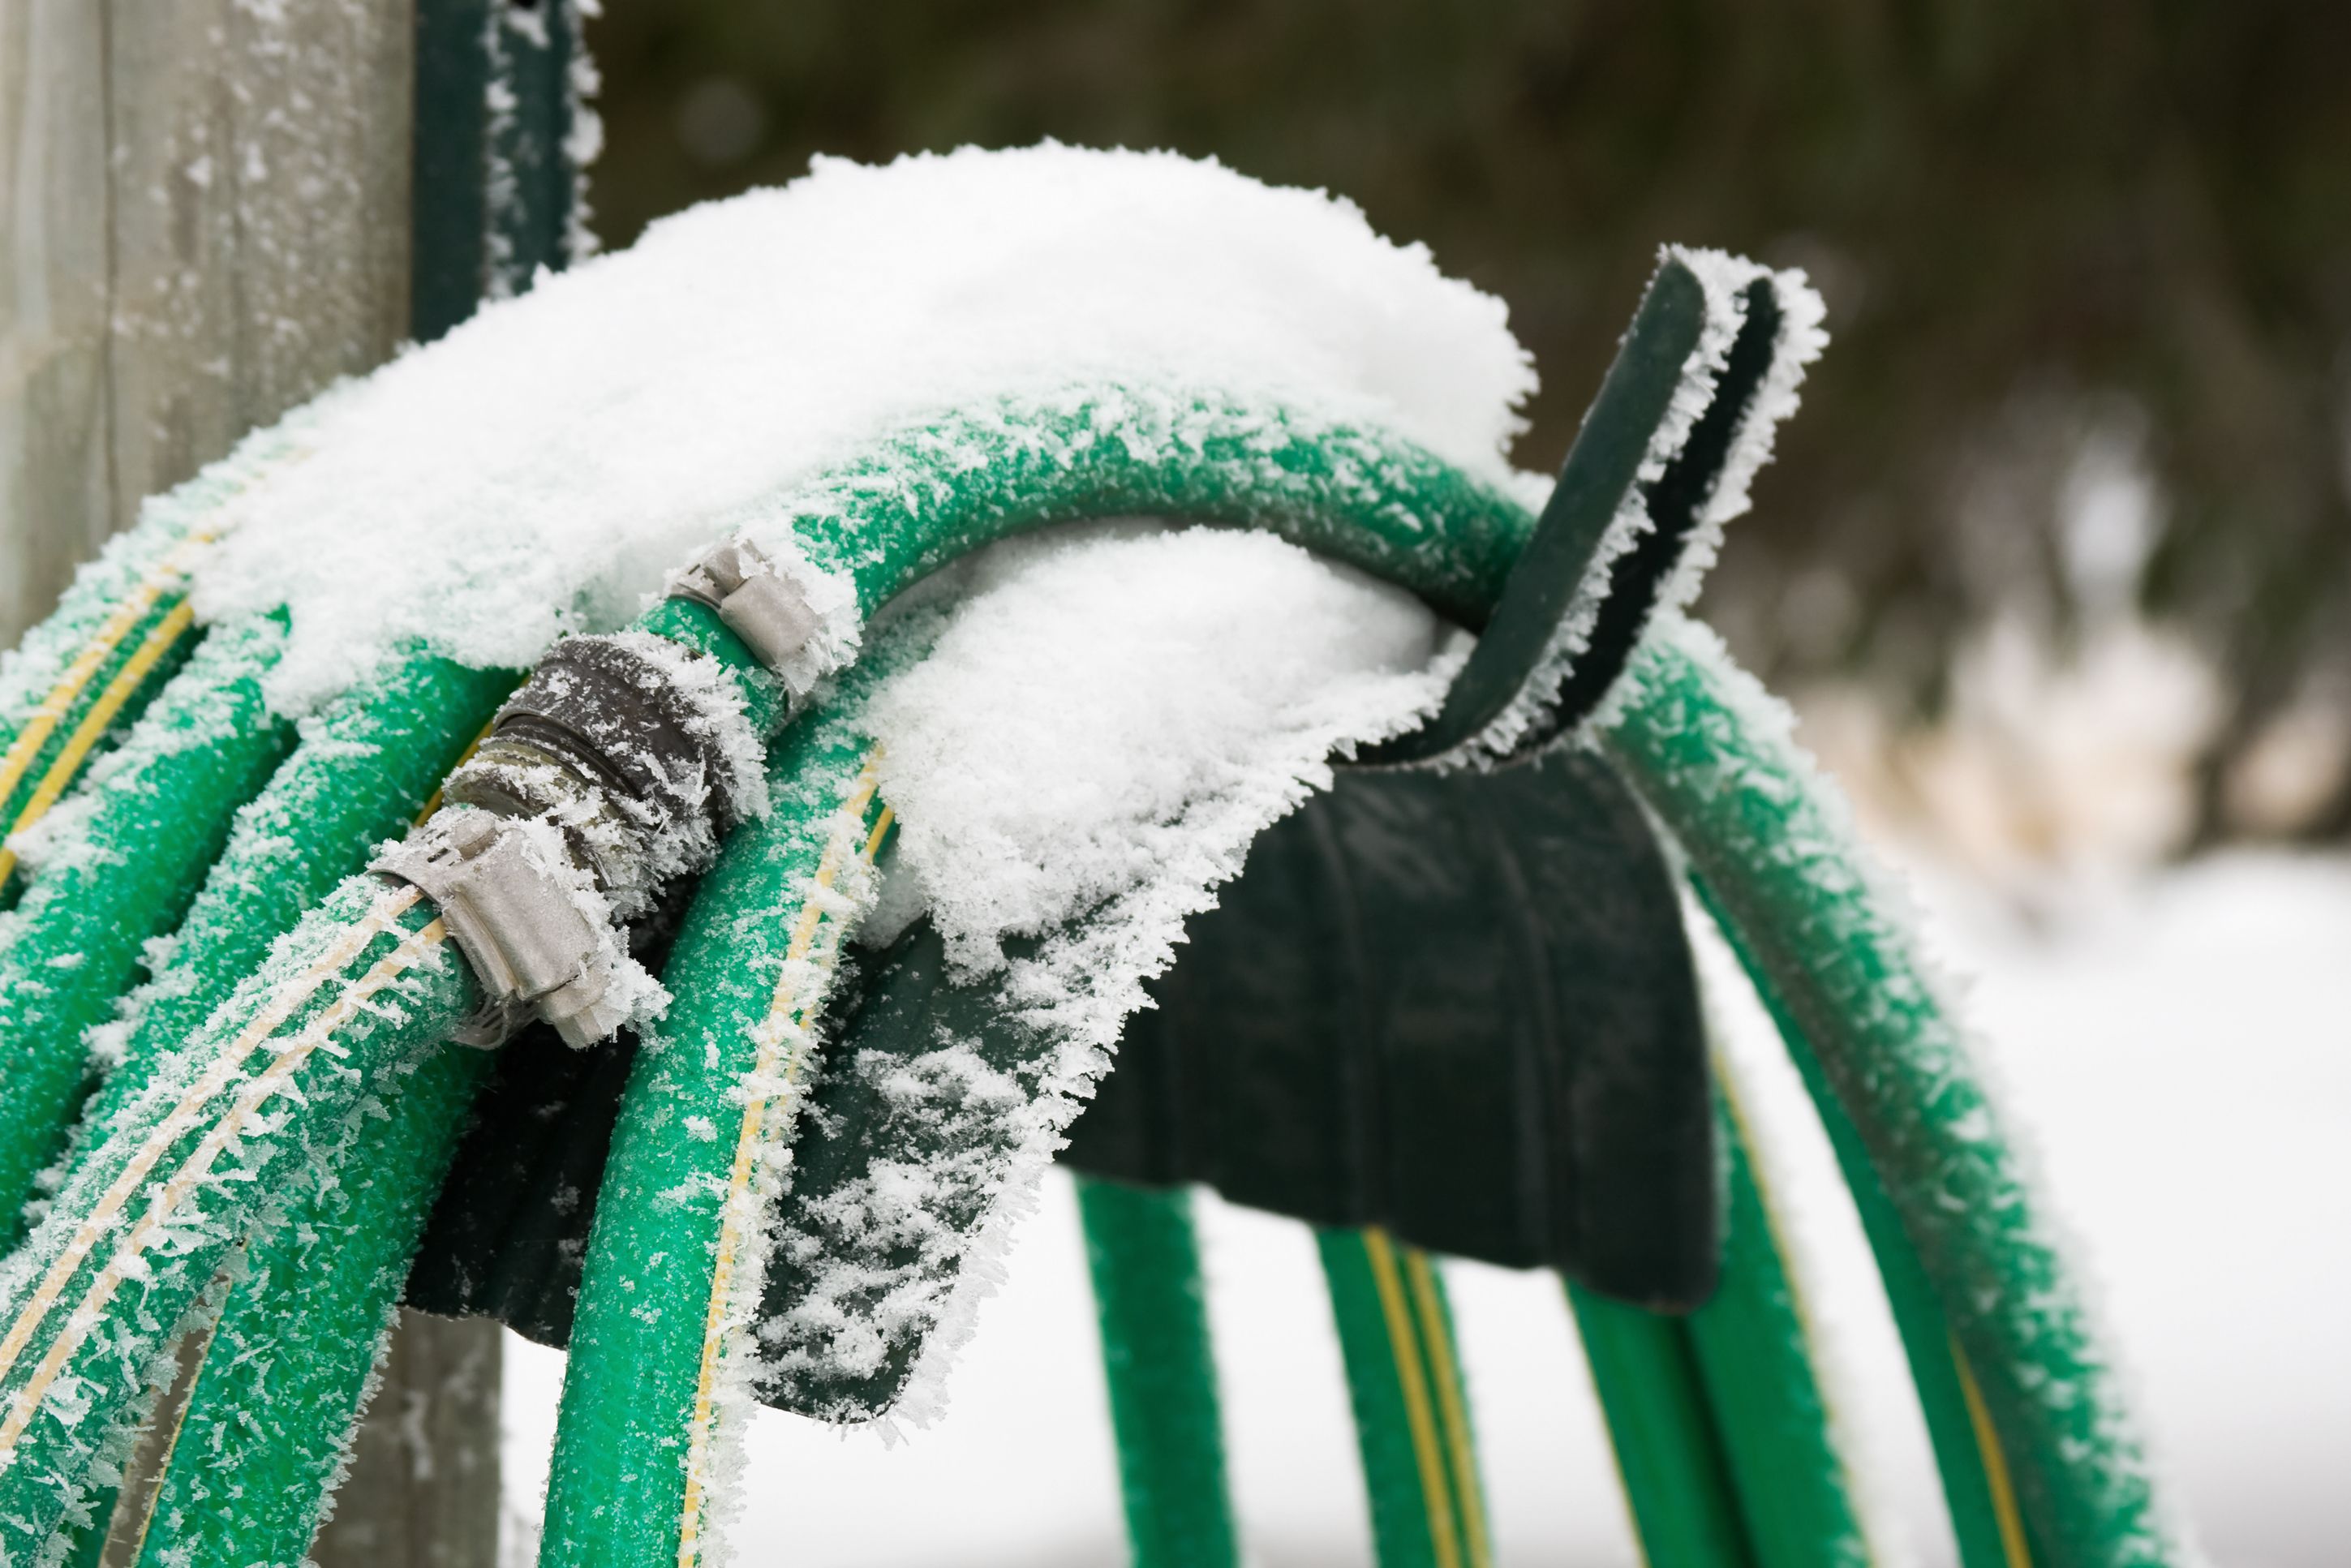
(347, 1006)
(1346, 493)
(154, 820)
(353, 1003)
(1769, 843)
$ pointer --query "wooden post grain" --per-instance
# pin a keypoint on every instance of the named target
(204, 220)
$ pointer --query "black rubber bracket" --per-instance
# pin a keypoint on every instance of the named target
(1601, 470)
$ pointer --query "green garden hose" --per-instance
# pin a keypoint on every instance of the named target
(86, 672)
(1144, 1262)
(355, 780)
(661, 1357)
(1662, 1433)
(154, 818)
(348, 1005)
(303, 1330)
(1716, 1420)
(1769, 842)
(1412, 1412)
(1753, 1357)
(359, 776)
(1978, 1490)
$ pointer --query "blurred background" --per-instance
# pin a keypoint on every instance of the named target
(2080, 447)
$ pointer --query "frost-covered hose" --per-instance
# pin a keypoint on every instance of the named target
(646, 1395)
(123, 870)
(121, 628)
(350, 1231)
(1412, 1411)
(355, 778)
(1753, 1355)
(359, 775)
(1977, 1490)
(1771, 846)
(1716, 1419)
(355, 1252)
(347, 1006)
(302, 1331)
(1144, 1262)
(660, 1361)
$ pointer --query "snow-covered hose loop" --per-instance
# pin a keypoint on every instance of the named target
(116, 867)
(644, 1433)
(91, 1305)
(1770, 843)
(86, 672)
(661, 1352)
(915, 505)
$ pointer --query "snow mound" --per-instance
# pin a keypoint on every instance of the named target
(1113, 712)
(538, 470)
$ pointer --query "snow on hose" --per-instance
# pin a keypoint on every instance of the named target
(313, 1098)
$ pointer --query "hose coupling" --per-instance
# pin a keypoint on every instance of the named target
(631, 746)
(761, 605)
(504, 887)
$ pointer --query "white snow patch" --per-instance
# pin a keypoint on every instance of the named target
(1113, 712)
(536, 471)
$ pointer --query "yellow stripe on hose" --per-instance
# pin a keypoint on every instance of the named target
(388, 906)
(168, 574)
(1452, 1409)
(785, 1020)
(1997, 1479)
(60, 776)
(1418, 1417)
(84, 1317)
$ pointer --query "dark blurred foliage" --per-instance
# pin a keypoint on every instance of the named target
(2034, 224)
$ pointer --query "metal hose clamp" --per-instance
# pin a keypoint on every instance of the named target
(759, 604)
(517, 921)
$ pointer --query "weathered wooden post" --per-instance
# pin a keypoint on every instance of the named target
(209, 211)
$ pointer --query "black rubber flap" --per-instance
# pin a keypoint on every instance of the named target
(1458, 1007)
(510, 1227)
(1563, 562)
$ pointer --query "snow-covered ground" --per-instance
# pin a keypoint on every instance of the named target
(2179, 1048)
